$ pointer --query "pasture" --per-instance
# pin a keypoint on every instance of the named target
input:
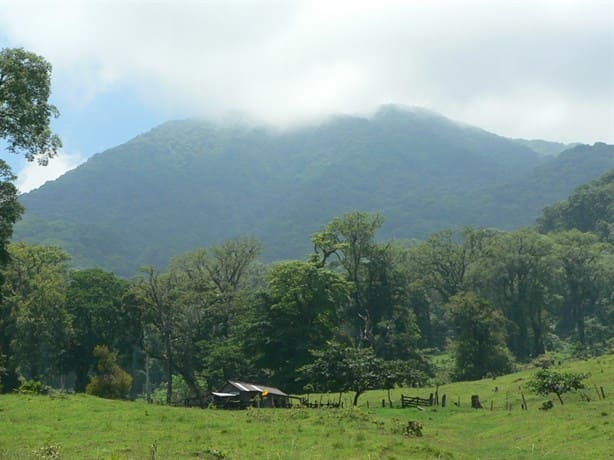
(85, 427)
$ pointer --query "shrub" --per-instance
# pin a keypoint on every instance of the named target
(48, 452)
(110, 381)
(32, 387)
(543, 361)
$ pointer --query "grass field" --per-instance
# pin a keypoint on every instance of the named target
(84, 427)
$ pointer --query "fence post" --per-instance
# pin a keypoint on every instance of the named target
(443, 401)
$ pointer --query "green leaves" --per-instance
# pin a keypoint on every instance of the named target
(25, 86)
(110, 381)
(480, 337)
(547, 381)
(38, 327)
(299, 312)
(589, 209)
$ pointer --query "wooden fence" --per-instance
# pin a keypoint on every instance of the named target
(415, 401)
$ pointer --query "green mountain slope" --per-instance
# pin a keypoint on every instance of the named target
(191, 183)
(589, 209)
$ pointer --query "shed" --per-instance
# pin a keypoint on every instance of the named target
(242, 394)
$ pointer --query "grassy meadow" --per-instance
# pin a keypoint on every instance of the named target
(85, 427)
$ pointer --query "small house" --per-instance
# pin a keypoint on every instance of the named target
(239, 395)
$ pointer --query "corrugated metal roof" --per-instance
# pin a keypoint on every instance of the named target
(249, 387)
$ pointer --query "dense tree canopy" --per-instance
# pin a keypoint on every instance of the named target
(356, 313)
(299, 313)
(589, 209)
(36, 326)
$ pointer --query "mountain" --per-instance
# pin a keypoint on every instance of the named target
(545, 147)
(192, 183)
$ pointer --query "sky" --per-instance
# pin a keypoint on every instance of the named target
(533, 69)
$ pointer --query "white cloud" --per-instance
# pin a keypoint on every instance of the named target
(496, 62)
(33, 175)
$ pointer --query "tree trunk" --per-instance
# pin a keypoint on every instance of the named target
(538, 332)
(580, 326)
(169, 370)
(82, 379)
(356, 395)
(191, 382)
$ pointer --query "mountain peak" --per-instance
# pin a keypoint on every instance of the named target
(192, 183)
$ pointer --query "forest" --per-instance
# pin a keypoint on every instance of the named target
(354, 314)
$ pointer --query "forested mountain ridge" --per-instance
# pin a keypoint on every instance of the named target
(546, 147)
(191, 183)
(589, 209)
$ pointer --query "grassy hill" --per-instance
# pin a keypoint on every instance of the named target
(189, 184)
(85, 427)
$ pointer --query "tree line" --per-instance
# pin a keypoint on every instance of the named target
(354, 314)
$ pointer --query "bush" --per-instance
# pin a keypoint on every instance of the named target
(110, 381)
(32, 387)
(543, 361)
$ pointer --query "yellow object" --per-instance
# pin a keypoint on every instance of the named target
(265, 393)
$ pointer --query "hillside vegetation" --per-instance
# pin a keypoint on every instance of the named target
(91, 428)
(189, 184)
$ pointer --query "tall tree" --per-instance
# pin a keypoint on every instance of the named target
(25, 113)
(213, 297)
(195, 312)
(437, 270)
(351, 238)
(390, 303)
(24, 125)
(95, 301)
(515, 272)
(480, 337)
(40, 328)
(583, 278)
(156, 293)
(10, 210)
(298, 313)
